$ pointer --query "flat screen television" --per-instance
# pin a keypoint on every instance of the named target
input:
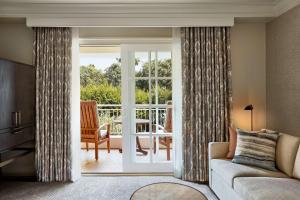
(17, 103)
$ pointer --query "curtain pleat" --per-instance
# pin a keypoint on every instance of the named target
(206, 68)
(52, 59)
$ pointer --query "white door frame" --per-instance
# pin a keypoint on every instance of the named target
(128, 103)
(75, 90)
(75, 107)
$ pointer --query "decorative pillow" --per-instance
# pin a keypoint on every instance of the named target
(256, 149)
(267, 131)
(232, 142)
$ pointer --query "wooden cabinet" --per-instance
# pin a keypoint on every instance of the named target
(17, 109)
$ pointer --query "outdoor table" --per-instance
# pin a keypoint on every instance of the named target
(138, 143)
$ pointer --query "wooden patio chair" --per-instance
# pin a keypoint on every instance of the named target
(167, 128)
(90, 130)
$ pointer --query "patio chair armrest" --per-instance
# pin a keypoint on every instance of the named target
(160, 127)
(107, 127)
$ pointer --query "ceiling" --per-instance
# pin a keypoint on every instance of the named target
(142, 13)
(143, 1)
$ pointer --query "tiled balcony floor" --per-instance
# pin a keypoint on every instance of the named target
(112, 162)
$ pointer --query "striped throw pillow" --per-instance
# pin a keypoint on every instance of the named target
(256, 149)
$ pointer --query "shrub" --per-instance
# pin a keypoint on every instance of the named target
(103, 94)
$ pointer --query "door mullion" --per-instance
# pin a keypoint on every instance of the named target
(156, 109)
(150, 108)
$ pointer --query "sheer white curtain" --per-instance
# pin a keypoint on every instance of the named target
(75, 107)
(177, 101)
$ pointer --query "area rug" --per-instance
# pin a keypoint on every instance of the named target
(167, 191)
(90, 187)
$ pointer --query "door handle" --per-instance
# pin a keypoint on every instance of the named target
(17, 130)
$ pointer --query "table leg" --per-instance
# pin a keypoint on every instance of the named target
(139, 147)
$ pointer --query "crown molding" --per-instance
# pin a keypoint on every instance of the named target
(137, 14)
(131, 21)
(95, 10)
(285, 5)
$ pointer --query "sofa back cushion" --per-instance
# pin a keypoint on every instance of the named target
(286, 150)
(296, 170)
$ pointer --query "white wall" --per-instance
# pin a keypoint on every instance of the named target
(248, 45)
(116, 32)
(16, 41)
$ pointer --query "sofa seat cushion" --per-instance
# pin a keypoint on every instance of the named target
(229, 170)
(262, 188)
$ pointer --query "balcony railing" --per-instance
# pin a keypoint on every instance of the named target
(109, 113)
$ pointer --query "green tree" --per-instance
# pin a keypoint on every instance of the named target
(164, 69)
(103, 93)
(113, 73)
(105, 88)
(90, 75)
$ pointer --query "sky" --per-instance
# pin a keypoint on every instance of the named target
(100, 60)
(104, 60)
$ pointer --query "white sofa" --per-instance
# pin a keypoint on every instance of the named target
(232, 181)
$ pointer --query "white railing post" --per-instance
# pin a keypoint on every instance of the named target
(110, 112)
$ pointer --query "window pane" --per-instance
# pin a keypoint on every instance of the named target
(141, 64)
(143, 153)
(154, 92)
(142, 92)
(162, 150)
(164, 63)
(164, 91)
(142, 120)
(152, 63)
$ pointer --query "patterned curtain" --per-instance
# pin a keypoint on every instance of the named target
(52, 59)
(206, 69)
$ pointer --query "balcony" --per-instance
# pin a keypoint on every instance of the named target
(111, 113)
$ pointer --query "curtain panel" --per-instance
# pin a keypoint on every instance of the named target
(52, 59)
(206, 71)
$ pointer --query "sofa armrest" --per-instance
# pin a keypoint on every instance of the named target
(218, 150)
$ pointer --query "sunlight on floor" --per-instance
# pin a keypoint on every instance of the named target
(112, 162)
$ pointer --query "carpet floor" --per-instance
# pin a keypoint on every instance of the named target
(89, 188)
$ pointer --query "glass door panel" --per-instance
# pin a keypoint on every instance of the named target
(150, 104)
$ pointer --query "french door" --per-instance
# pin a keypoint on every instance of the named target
(147, 108)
